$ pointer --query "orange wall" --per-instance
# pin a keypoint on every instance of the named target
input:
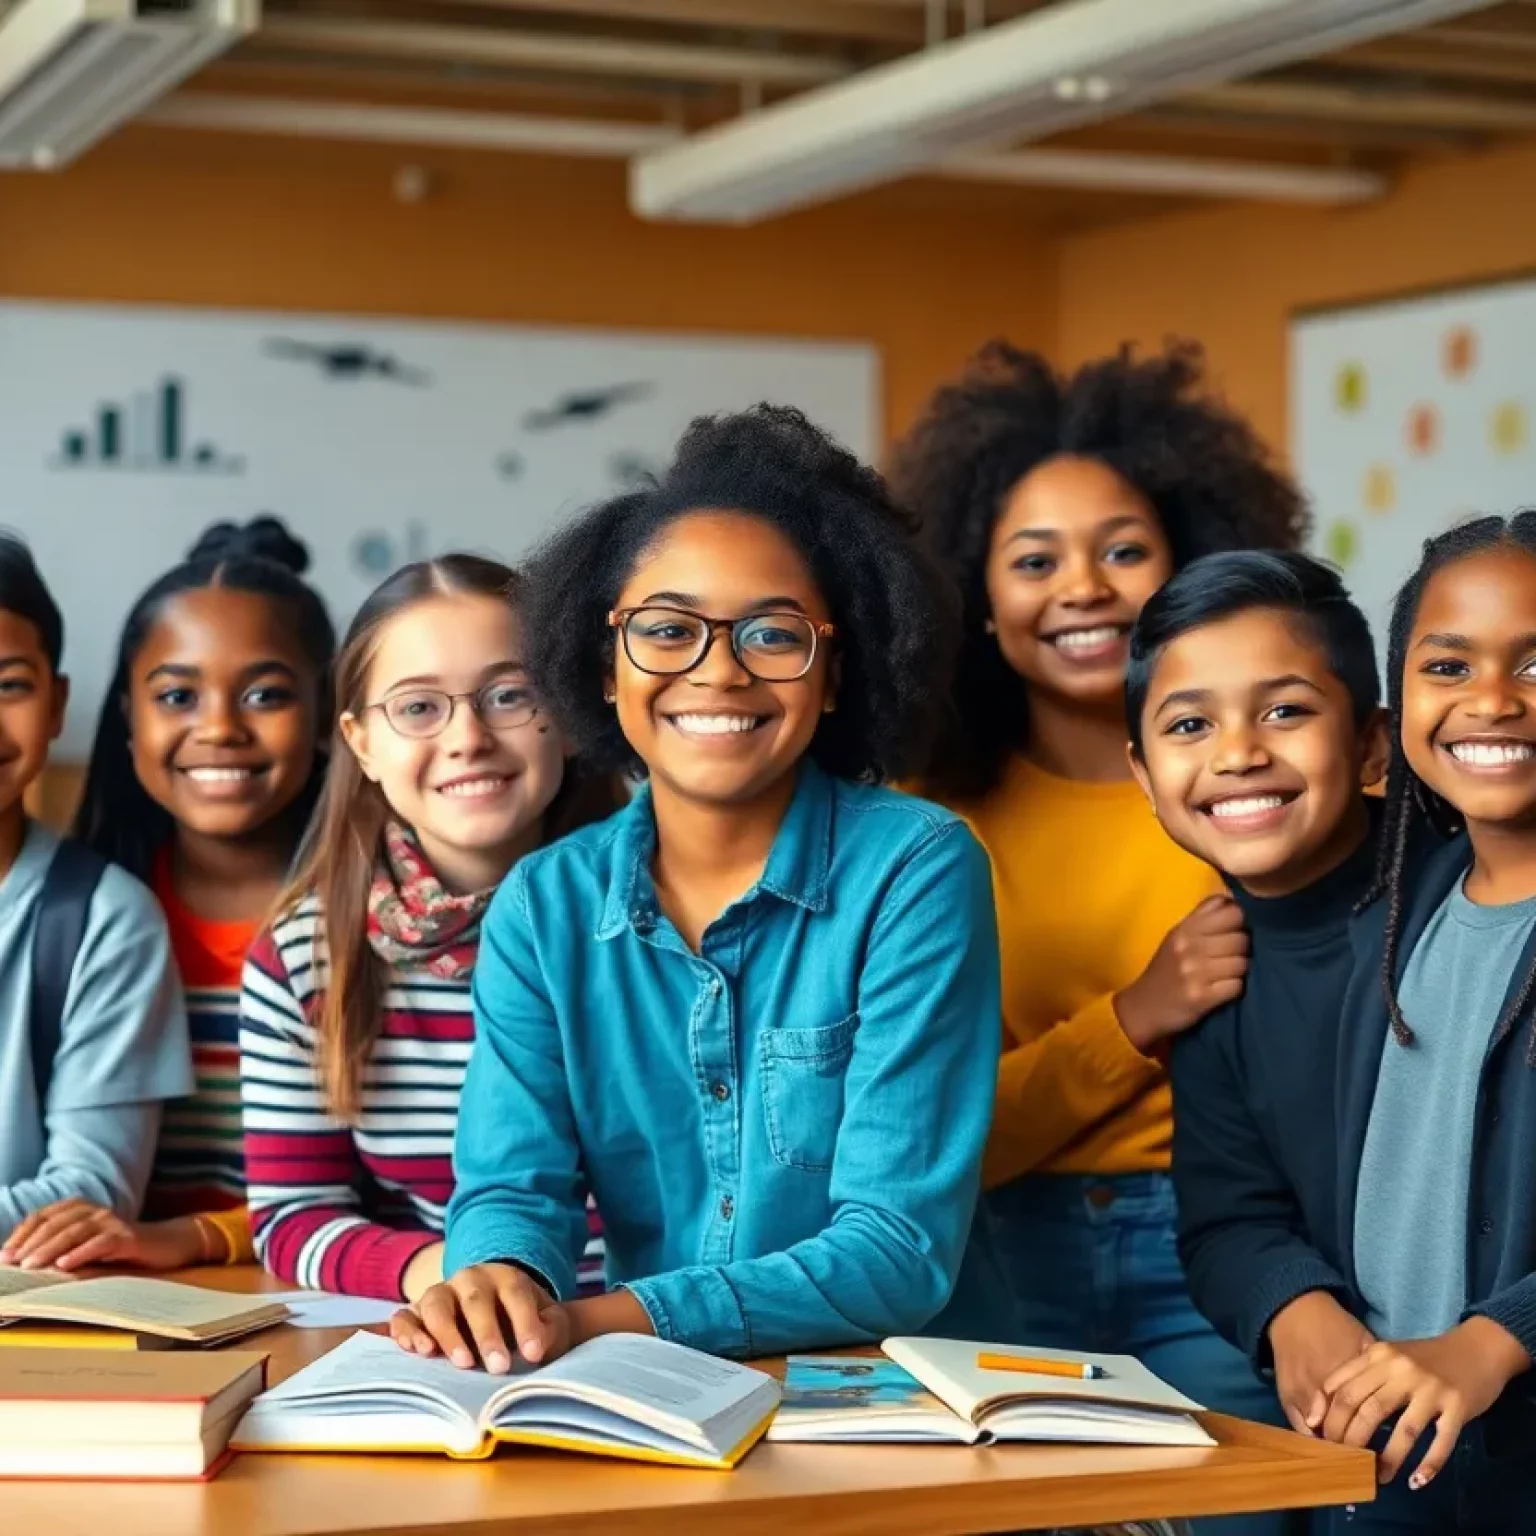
(1232, 277)
(925, 273)
(922, 272)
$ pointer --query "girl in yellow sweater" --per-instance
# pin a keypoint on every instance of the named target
(1060, 505)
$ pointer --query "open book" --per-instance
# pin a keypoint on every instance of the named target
(188, 1314)
(622, 1394)
(109, 1414)
(933, 1390)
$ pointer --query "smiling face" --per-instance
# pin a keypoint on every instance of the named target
(1075, 553)
(1251, 755)
(716, 734)
(1469, 688)
(475, 792)
(32, 704)
(222, 705)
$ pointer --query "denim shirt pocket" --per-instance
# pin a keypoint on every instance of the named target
(803, 1071)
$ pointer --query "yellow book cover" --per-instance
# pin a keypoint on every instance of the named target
(63, 1336)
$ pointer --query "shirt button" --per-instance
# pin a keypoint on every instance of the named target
(1485, 1226)
(714, 986)
(727, 1208)
(720, 1091)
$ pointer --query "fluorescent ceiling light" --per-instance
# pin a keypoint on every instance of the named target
(73, 70)
(1018, 81)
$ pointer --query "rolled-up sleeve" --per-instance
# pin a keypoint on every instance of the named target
(906, 1167)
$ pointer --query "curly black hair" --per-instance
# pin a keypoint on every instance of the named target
(896, 617)
(1203, 469)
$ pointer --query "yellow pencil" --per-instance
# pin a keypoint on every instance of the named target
(1074, 1370)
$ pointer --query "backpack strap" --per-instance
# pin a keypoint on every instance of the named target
(63, 910)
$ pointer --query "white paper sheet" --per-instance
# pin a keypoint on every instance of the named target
(320, 1309)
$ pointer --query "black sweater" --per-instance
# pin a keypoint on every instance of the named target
(1254, 1149)
(1272, 1097)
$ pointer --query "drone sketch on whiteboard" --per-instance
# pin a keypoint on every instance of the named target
(348, 361)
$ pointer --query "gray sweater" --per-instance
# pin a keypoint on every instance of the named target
(123, 1047)
(1411, 1213)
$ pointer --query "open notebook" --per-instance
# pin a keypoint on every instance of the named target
(186, 1314)
(620, 1395)
(933, 1390)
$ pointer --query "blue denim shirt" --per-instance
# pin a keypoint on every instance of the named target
(783, 1132)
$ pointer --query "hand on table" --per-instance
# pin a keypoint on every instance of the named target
(1199, 966)
(71, 1233)
(1311, 1338)
(1441, 1384)
(489, 1310)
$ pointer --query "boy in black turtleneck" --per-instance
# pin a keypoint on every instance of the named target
(1255, 726)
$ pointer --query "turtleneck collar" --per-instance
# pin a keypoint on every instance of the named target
(1328, 902)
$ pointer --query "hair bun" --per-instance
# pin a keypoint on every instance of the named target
(263, 538)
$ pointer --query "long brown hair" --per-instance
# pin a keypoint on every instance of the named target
(340, 851)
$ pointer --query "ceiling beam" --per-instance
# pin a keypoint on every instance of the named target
(1523, 41)
(618, 57)
(1163, 175)
(1172, 176)
(1427, 58)
(856, 19)
(370, 123)
(1415, 108)
(1218, 126)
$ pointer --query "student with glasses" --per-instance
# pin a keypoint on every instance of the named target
(355, 1005)
(756, 1011)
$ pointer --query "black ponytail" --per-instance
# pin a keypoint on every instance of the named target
(117, 817)
(1411, 804)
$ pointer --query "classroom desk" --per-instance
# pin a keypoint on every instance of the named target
(839, 1490)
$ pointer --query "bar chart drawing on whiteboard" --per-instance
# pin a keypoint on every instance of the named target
(147, 433)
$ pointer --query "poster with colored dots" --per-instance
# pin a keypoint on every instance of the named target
(1407, 417)
(125, 431)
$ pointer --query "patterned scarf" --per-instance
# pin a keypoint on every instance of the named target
(414, 923)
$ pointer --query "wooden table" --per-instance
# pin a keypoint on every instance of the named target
(842, 1490)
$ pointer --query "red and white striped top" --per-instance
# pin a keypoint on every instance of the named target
(341, 1207)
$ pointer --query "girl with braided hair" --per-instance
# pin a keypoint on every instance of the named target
(1437, 1068)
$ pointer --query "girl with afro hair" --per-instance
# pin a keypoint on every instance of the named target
(728, 1010)
(1059, 505)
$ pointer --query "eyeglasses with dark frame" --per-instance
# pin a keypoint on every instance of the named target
(421, 713)
(774, 647)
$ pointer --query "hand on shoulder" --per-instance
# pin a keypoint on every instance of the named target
(1199, 966)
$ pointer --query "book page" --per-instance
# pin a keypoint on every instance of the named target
(948, 1368)
(15, 1282)
(370, 1370)
(659, 1382)
(131, 1300)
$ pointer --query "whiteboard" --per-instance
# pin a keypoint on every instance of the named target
(1409, 417)
(124, 431)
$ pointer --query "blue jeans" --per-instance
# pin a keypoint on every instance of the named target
(1475, 1495)
(1093, 1263)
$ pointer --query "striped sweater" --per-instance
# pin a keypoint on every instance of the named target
(338, 1207)
(200, 1161)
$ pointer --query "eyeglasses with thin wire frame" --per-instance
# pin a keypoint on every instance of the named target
(666, 642)
(419, 713)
